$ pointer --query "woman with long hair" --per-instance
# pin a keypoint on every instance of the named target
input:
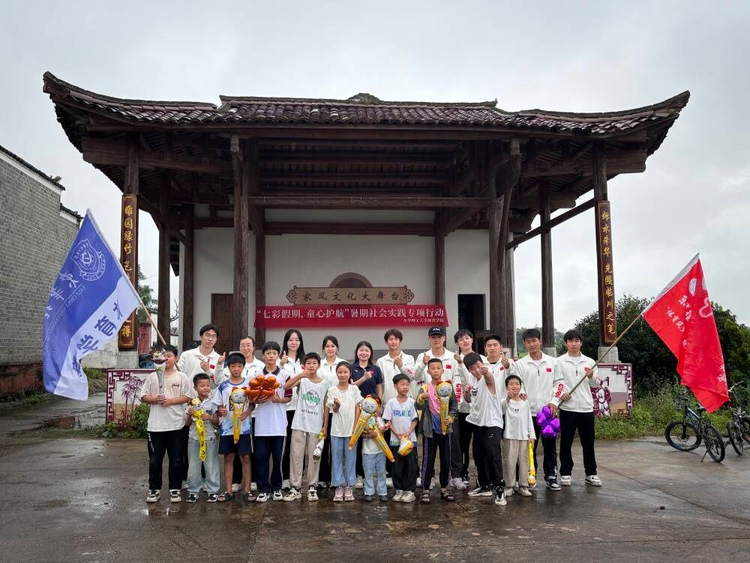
(292, 356)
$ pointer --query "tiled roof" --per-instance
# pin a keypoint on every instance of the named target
(31, 167)
(360, 110)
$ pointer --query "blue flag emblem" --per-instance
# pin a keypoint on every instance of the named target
(89, 301)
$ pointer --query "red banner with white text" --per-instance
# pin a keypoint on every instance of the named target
(311, 316)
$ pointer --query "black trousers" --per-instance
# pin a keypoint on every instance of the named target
(404, 470)
(466, 431)
(288, 450)
(477, 450)
(325, 460)
(487, 443)
(184, 452)
(456, 458)
(430, 447)
(268, 448)
(160, 443)
(583, 422)
(359, 470)
(550, 453)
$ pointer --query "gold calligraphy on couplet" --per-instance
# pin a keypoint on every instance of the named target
(129, 261)
(606, 273)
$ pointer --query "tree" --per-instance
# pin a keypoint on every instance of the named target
(654, 365)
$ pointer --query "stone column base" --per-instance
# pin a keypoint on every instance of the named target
(612, 357)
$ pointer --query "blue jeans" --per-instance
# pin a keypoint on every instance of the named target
(343, 462)
(374, 463)
(195, 482)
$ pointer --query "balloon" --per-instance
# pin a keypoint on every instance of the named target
(550, 425)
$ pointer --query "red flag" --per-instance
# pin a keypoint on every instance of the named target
(683, 318)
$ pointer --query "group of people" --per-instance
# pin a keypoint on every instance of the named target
(490, 408)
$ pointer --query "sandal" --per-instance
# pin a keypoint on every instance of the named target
(248, 496)
(226, 496)
(425, 498)
(447, 496)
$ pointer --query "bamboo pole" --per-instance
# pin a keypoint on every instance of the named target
(150, 320)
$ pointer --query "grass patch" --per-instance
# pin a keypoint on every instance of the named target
(650, 416)
(95, 374)
(25, 398)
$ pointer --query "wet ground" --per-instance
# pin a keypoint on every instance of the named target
(74, 499)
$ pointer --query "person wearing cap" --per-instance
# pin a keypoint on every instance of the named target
(436, 337)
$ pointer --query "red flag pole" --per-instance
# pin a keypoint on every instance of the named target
(608, 349)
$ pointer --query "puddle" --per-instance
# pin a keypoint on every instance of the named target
(81, 421)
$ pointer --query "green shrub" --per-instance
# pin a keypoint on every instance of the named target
(138, 424)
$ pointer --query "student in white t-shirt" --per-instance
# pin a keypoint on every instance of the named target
(482, 392)
(308, 424)
(270, 428)
(519, 433)
(166, 421)
(343, 401)
(292, 362)
(327, 371)
(203, 359)
(401, 416)
(576, 408)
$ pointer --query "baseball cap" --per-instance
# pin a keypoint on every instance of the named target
(436, 331)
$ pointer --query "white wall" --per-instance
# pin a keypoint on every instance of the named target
(315, 260)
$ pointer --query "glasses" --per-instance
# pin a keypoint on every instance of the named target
(210, 336)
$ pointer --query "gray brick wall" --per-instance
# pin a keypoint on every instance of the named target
(34, 240)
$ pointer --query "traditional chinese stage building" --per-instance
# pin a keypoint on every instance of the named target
(352, 216)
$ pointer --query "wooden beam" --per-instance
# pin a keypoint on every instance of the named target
(417, 229)
(494, 219)
(604, 260)
(163, 299)
(241, 243)
(131, 160)
(325, 159)
(439, 266)
(282, 177)
(624, 162)
(178, 234)
(111, 153)
(186, 271)
(548, 314)
(366, 202)
(260, 281)
(554, 222)
(556, 199)
(293, 144)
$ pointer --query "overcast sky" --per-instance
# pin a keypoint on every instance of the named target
(567, 56)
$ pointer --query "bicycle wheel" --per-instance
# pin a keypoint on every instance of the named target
(714, 443)
(745, 426)
(682, 436)
(735, 436)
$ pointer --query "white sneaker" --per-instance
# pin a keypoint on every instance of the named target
(312, 494)
(360, 484)
(236, 487)
(389, 482)
(174, 495)
(566, 480)
(285, 484)
(277, 496)
(593, 480)
(409, 496)
(524, 492)
(262, 497)
(509, 492)
(153, 496)
(292, 495)
(500, 499)
(398, 496)
(458, 484)
(253, 487)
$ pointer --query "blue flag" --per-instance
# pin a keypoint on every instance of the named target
(90, 300)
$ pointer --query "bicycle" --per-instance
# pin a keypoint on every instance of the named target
(687, 434)
(738, 427)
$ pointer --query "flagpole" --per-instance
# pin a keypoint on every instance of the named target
(607, 350)
(150, 320)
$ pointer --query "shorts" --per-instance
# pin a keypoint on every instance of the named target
(243, 447)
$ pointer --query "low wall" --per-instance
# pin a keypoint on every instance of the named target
(20, 377)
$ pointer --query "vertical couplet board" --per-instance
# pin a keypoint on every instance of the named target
(606, 274)
(129, 261)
